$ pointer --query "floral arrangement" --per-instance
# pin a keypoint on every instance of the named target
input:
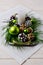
(23, 34)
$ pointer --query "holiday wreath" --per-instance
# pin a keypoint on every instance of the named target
(24, 34)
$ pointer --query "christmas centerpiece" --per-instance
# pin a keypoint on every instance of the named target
(24, 33)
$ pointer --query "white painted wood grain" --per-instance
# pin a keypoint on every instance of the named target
(33, 4)
(34, 62)
(8, 62)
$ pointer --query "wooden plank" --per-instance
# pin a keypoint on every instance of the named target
(8, 62)
(34, 62)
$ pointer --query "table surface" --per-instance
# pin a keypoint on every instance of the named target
(36, 5)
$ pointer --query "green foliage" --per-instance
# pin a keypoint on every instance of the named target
(11, 31)
(35, 23)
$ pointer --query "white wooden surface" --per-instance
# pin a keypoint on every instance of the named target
(37, 5)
